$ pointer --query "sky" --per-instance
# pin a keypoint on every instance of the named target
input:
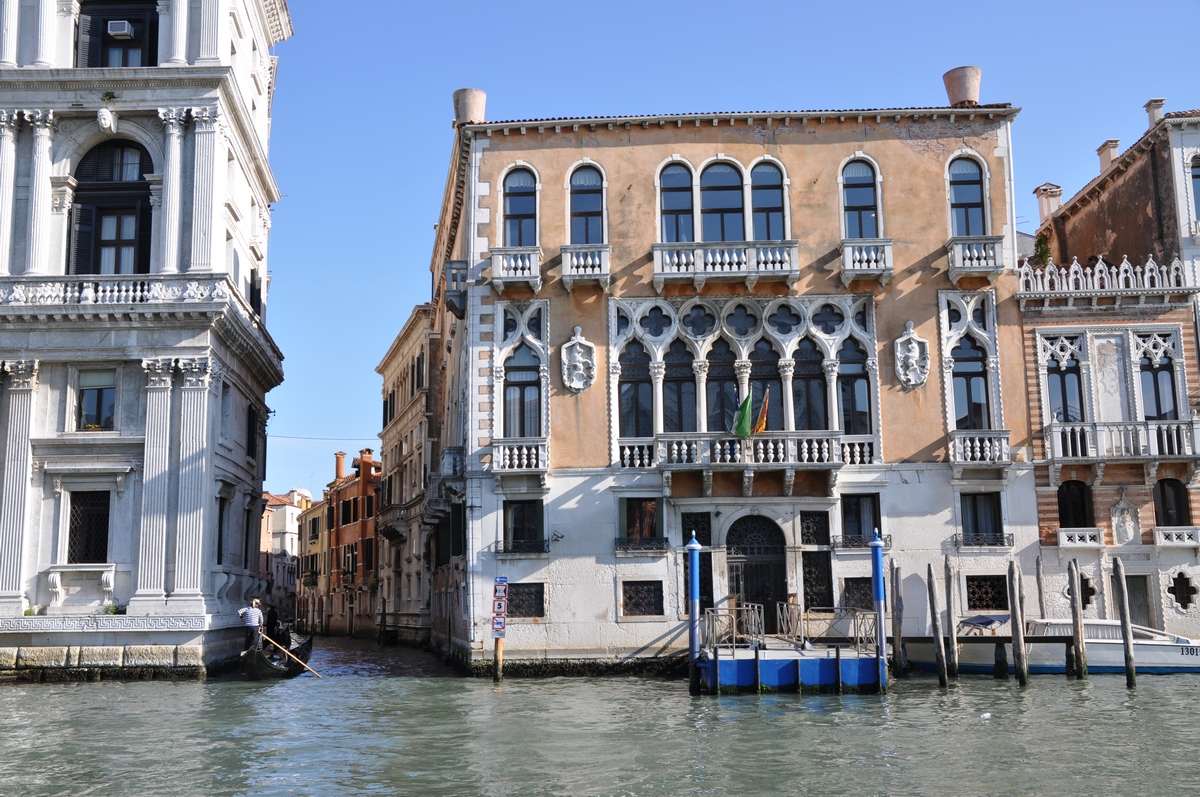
(363, 119)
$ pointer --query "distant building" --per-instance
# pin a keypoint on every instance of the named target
(312, 590)
(279, 547)
(351, 608)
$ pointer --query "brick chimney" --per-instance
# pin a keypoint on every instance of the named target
(1109, 151)
(364, 455)
(1154, 110)
(339, 470)
(1049, 197)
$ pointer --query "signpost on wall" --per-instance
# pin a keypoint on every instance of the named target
(499, 621)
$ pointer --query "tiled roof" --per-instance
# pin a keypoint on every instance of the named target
(816, 112)
(1181, 114)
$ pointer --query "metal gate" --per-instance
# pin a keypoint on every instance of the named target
(757, 559)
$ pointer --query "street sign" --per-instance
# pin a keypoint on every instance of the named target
(497, 635)
(500, 608)
(498, 623)
(500, 592)
(501, 579)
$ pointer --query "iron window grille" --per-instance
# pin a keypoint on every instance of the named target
(987, 593)
(858, 594)
(87, 540)
(626, 544)
(814, 528)
(981, 521)
(527, 600)
(642, 598)
(701, 524)
(862, 543)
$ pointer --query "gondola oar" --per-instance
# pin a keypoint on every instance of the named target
(289, 653)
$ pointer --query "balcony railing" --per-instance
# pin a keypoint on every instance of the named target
(989, 540)
(820, 449)
(980, 447)
(636, 452)
(517, 264)
(867, 258)
(520, 454)
(1177, 536)
(456, 288)
(976, 256)
(634, 546)
(523, 546)
(1101, 284)
(1125, 440)
(452, 458)
(748, 261)
(859, 542)
(585, 262)
(1080, 538)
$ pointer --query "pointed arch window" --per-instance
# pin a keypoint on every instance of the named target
(765, 381)
(1158, 388)
(721, 204)
(679, 390)
(966, 198)
(1065, 387)
(766, 196)
(636, 392)
(522, 394)
(809, 387)
(587, 206)
(1171, 506)
(520, 208)
(859, 201)
(111, 215)
(970, 385)
(854, 393)
(721, 388)
(1075, 509)
(675, 186)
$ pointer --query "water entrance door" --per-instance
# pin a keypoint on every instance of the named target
(1139, 600)
(757, 557)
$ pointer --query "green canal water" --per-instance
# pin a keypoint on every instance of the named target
(394, 721)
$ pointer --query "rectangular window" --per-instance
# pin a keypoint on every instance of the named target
(523, 531)
(701, 524)
(252, 431)
(987, 593)
(354, 510)
(222, 514)
(87, 540)
(370, 506)
(97, 400)
(226, 411)
(346, 517)
(118, 243)
(860, 518)
(641, 519)
(330, 516)
(981, 519)
(641, 598)
(368, 551)
(527, 600)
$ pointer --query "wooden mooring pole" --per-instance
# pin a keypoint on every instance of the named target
(951, 620)
(1017, 623)
(1126, 625)
(498, 661)
(939, 650)
(899, 658)
(1077, 620)
(1041, 585)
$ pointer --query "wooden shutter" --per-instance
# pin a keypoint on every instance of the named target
(145, 230)
(83, 219)
(87, 41)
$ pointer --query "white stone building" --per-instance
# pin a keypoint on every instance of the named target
(135, 202)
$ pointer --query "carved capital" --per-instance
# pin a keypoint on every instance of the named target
(206, 118)
(786, 368)
(42, 122)
(831, 368)
(23, 374)
(197, 372)
(700, 368)
(657, 371)
(498, 374)
(163, 7)
(614, 370)
(68, 8)
(872, 366)
(173, 120)
(742, 368)
(993, 364)
(9, 122)
(158, 371)
(62, 193)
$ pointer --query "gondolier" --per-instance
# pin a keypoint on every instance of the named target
(252, 618)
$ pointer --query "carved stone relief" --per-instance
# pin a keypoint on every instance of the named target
(1125, 524)
(912, 358)
(578, 363)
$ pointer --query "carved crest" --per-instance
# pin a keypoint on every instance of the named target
(578, 363)
(912, 358)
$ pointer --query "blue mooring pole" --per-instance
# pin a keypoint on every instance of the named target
(880, 609)
(693, 553)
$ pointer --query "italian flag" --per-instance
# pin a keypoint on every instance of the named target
(742, 427)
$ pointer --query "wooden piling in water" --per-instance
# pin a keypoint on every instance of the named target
(1077, 620)
(951, 620)
(1126, 625)
(1017, 623)
(1041, 585)
(939, 650)
(498, 661)
(899, 658)
(837, 656)
(1000, 663)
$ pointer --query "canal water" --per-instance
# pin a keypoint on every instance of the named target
(395, 721)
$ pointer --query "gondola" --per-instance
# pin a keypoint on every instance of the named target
(262, 662)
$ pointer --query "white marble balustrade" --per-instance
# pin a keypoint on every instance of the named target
(748, 261)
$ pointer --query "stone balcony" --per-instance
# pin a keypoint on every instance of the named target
(1086, 538)
(520, 455)
(976, 256)
(979, 449)
(1132, 442)
(1099, 285)
(866, 258)
(585, 263)
(1177, 537)
(516, 264)
(729, 261)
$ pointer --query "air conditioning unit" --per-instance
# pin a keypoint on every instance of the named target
(120, 29)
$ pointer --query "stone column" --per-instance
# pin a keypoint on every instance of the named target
(833, 409)
(993, 386)
(657, 371)
(156, 226)
(700, 369)
(47, 12)
(177, 12)
(8, 33)
(208, 183)
(42, 123)
(156, 477)
(193, 483)
(9, 121)
(18, 457)
(786, 369)
(62, 197)
(741, 370)
(173, 121)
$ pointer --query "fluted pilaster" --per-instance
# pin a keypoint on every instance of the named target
(208, 182)
(173, 120)
(18, 456)
(47, 16)
(9, 122)
(40, 192)
(8, 33)
(193, 482)
(156, 479)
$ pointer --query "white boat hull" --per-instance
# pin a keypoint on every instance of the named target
(1103, 656)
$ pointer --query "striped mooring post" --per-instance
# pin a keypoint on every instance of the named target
(880, 609)
(693, 553)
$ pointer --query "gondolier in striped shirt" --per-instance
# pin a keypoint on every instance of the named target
(252, 618)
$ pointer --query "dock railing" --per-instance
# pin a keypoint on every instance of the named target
(736, 627)
(857, 626)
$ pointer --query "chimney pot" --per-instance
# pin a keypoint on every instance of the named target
(1109, 151)
(1154, 110)
(339, 469)
(1049, 197)
(469, 106)
(962, 86)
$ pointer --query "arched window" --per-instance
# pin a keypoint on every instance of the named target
(859, 201)
(721, 208)
(676, 199)
(854, 394)
(1196, 186)
(522, 394)
(636, 395)
(970, 385)
(1158, 389)
(679, 390)
(764, 381)
(520, 208)
(966, 198)
(131, 41)
(587, 206)
(808, 387)
(110, 215)
(1171, 506)
(766, 197)
(1075, 506)
(721, 389)
(1065, 386)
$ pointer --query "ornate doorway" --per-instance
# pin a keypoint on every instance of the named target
(757, 557)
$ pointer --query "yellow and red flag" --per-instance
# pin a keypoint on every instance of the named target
(760, 426)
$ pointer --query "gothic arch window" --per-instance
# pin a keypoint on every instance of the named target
(675, 194)
(809, 387)
(854, 392)
(520, 208)
(635, 392)
(1075, 506)
(1158, 387)
(721, 388)
(765, 381)
(966, 198)
(859, 201)
(1064, 384)
(1171, 507)
(722, 210)
(110, 214)
(766, 198)
(132, 41)
(679, 390)
(522, 394)
(587, 206)
(970, 385)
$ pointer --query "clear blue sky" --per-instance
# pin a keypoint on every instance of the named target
(362, 131)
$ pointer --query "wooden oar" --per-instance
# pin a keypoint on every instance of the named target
(289, 653)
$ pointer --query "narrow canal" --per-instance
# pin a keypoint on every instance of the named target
(395, 721)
